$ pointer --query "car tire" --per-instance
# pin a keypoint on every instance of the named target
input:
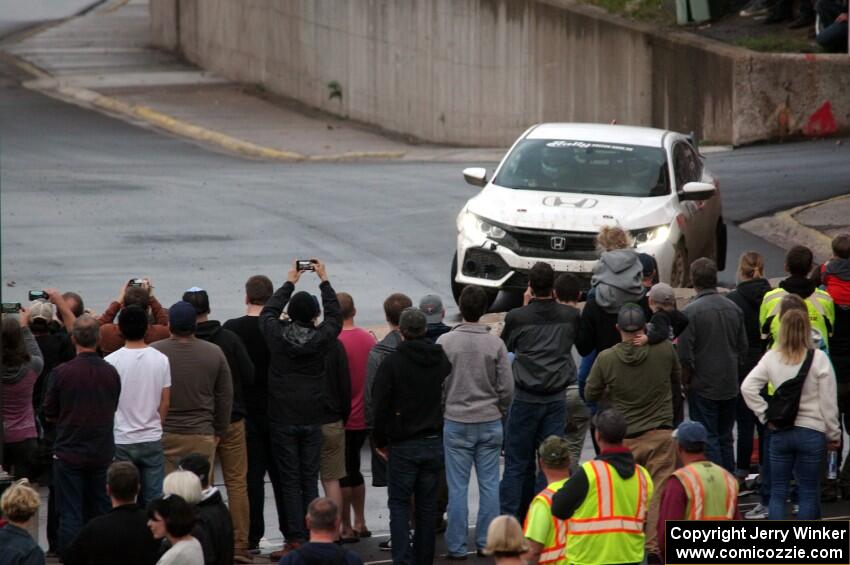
(721, 245)
(457, 287)
(680, 276)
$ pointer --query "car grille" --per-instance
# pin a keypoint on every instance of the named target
(579, 246)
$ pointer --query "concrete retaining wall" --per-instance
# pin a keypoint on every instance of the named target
(478, 72)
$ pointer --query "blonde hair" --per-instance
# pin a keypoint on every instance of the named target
(795, 336)
(20, 502)
(505, 538)
(611, 238)
(750, 266)
(184, 484)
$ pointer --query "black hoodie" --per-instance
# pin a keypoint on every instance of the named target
(241, 366)
(297, 387)
(748, 296)
(407, 394)
(567, 500)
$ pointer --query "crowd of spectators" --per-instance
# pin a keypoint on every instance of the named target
(124, 421)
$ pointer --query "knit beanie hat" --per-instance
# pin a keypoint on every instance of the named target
(303, 307)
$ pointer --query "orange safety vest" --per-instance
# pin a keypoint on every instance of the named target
(555, 552)
(712, 491)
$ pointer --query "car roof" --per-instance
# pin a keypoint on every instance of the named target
(600, 133)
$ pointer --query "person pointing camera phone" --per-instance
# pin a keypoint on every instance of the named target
(299, 346)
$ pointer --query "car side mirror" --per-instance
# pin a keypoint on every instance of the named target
(476, 176)
(697, 191)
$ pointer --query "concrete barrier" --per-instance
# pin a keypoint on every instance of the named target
(478, 72)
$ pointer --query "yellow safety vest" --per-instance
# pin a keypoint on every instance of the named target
(712, 491)
(821, 313)
(553, 553)
(608, 525)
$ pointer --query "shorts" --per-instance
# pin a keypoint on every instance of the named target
(332, 459)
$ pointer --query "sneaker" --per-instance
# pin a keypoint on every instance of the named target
(242, 556)
(386, 545)
(453, 557)
(285, 550)
(801, 22)
(757, 513)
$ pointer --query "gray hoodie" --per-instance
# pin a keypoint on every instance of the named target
(481, 384)
(617, 278)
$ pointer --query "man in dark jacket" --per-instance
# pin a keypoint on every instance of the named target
(122, 535)
(712, 349)
(394, 305)
(408, 415)
(213, 526)
(231, 450)
(297, 383)
(541, 337)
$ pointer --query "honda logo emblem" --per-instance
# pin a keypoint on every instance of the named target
(558, 242)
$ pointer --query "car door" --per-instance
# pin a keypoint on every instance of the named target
(687, 167)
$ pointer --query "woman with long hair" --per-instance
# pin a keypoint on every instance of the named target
(797, 451)
(752, 286)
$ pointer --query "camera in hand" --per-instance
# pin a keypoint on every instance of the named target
(305, 265)
(11, 307)
(136, 283)
(37, 294)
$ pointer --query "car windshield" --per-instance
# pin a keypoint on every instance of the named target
(562, 165)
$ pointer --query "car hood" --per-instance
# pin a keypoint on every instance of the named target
(569, 211)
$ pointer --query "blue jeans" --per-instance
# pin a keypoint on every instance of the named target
(467, 445)
(149, 459)
(413, 472)
(718, 417)
(80, 496)
(799, 453)
(528, 425)
(296, 450)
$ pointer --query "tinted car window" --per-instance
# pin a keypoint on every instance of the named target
(562, 165)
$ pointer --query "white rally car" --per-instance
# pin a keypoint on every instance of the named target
(560, 183)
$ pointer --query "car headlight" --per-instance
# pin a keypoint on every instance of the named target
(653, 234)
(472, 224)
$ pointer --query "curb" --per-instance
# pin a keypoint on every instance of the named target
(47, 84)
(785, 231)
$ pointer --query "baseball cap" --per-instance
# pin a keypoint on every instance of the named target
(689, 433)
(432, 306)
(554, 451)
(181, 316)
(413, 322)
(630, 318)
(41, 310)
(662, 293)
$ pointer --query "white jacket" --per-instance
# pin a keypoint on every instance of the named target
(819, 398)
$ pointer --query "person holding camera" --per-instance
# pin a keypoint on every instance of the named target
(138, 292)
(299, 348)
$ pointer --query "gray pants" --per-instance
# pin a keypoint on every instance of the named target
(575, 428)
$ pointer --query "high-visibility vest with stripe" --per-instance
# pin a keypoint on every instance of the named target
(553, 553)
(712, 491)
(821, 313)
(608, 525)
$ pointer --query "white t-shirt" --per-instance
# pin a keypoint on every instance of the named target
(144, 373)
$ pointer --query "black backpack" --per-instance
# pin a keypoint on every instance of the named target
(782, 407)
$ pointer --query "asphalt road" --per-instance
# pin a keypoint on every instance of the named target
(88, 201)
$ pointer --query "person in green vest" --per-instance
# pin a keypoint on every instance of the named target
(798, 263)
(546, 534)
(700, 489)
(605, 503)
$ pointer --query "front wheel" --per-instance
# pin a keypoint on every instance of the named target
(457, 287)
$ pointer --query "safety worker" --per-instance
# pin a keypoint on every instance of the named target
(700, 490)
(605, 503)
(546, 535)
(798, 264)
